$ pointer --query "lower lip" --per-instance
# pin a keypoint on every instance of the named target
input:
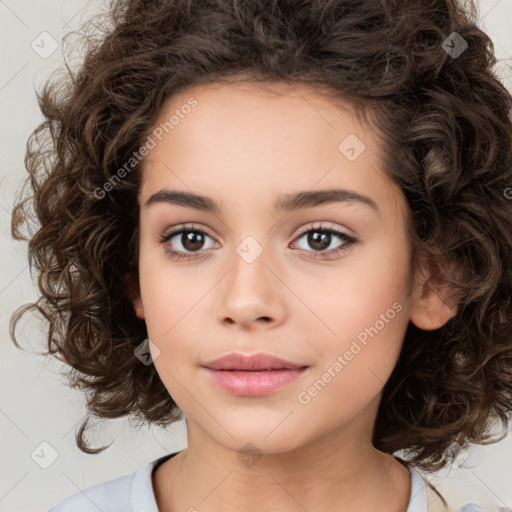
(246, 383)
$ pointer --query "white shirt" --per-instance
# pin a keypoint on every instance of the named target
(134, 493)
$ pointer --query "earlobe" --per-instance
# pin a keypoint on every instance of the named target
(138, 307)
(432, 304)
(133, 293)
(430, 311)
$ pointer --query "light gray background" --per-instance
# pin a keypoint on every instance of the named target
(35, 406)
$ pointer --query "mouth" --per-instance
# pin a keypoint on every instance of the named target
(255, 375)
(254, 363)
(254, 383)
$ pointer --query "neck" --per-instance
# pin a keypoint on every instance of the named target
(209, 477)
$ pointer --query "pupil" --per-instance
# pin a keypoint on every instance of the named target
(319, 240)
(192, 240)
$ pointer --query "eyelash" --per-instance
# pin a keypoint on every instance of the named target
(179, 255)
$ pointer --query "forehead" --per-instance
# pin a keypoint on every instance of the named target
(251, 120)
(266, 135)
(292, 103)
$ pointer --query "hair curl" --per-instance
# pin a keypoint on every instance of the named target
(446, 130)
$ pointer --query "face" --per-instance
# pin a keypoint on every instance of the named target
(318, 279)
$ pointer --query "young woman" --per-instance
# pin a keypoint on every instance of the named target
(288, 221)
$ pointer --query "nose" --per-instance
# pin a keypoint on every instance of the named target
(252, 295)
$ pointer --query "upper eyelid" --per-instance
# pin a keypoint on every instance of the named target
(193, 227)
(185, 227)
(323, 227)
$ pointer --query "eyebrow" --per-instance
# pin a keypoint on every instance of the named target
(287, 202)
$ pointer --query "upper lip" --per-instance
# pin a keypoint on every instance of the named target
(260, 361)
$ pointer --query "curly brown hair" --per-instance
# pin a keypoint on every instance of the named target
(446, 130)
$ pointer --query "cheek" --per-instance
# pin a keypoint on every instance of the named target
(356, 359)
(171, 308)
(354, 296)
(170, 293)
(364, 316)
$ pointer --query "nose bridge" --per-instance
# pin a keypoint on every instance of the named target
(250, 274)
(251, 290)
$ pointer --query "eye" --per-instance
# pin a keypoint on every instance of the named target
(188, 242)
(191, 239)
(320, 238)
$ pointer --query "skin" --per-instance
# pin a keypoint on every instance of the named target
(243, 146)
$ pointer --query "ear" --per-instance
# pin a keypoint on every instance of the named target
(133, 293)
(138, 307)
(433, 300)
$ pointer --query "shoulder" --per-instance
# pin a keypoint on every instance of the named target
(451, 492)
(111, 496)
(131, 492)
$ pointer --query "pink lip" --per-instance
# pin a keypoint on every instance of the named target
(256, 375)
(259, 383)
(255, 362)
